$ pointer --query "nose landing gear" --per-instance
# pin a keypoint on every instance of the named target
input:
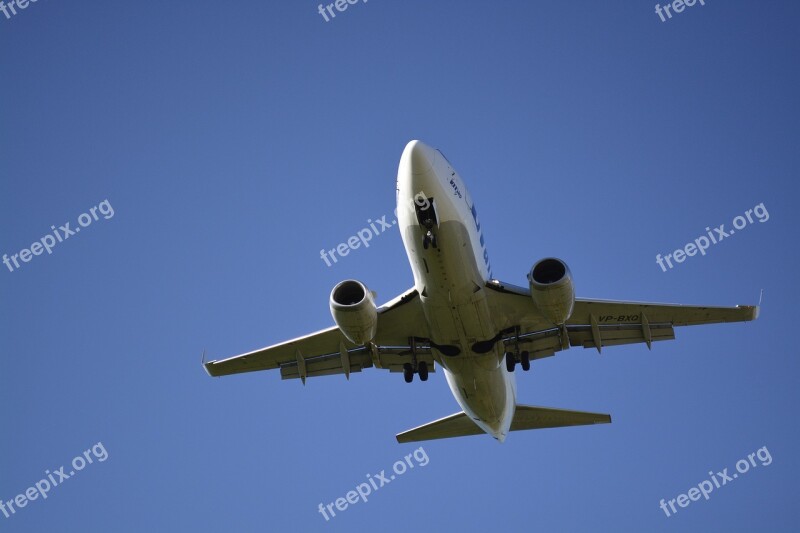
(429, 240)
(426, 216)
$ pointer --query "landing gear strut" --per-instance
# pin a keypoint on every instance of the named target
(408, 372)
(429, 240)
(511, 361)
(426, 215)
(525, 361)
(420, 368)
(524, 357)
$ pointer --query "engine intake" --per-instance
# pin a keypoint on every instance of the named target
(354, 311)
(552, 290)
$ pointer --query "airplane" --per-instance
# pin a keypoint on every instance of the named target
(457, 316)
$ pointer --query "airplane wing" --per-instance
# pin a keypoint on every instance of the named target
(597, 323)
(329, 352)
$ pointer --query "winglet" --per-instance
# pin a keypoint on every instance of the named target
(206, 365)
(751, 310)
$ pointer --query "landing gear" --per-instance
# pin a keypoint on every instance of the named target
(408, 372)
(429, 240)
(426, 215)
(422, 370)
(525, 361)
(415, 367)
(523, 357)
(511, 361)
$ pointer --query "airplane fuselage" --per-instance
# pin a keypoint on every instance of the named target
(447, 253)
(460, 318)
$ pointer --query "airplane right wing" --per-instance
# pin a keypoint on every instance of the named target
(598, 323)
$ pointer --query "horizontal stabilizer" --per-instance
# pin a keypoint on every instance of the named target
(529, 417)
(525, 417)
(457, 425)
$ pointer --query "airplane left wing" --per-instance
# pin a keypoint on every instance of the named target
(329, 352)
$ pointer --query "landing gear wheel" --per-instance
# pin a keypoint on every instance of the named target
(511, 362)
(429, 239)
(408, 372)
(525, 361)
(422, 370)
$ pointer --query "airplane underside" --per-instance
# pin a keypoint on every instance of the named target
(460, 318)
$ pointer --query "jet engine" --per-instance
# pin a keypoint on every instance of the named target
(552, 290)
(353, 309)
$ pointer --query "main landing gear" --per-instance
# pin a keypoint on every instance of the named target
(422, 370)
(421, 367)
(524, 357)
(524, 361)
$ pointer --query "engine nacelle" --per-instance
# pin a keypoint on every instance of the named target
(353, 309)
(552, 290)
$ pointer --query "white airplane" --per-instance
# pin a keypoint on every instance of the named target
(459, 317)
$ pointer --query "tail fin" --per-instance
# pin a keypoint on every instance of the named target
(525, 417)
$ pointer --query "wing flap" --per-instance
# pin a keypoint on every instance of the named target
(326, 365)
(613, 312)
(618, 335)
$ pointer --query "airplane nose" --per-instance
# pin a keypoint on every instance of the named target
(419, 156)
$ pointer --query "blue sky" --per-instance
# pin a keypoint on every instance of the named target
(234, 141)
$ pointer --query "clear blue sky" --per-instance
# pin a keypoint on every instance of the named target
(235, 140)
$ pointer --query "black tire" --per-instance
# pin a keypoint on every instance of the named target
(408, 373)
(510, 361)
(425, 242)
(433, 241)
(525, 361)
(422, 370)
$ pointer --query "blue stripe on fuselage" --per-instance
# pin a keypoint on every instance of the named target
(480, 234)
